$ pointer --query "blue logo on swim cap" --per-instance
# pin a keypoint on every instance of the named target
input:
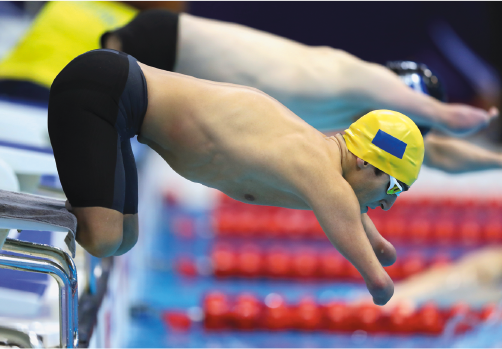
(390, 144)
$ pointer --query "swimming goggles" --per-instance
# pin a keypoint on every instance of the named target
(394, 187)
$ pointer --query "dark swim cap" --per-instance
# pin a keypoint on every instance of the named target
(421, 79)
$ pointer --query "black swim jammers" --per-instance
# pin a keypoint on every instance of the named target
(151, 37)
(97, 104)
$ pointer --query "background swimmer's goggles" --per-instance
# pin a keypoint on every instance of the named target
(419, 77)
(394, 187)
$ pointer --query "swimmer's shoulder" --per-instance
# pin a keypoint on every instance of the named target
(335, 148)
(314, 164)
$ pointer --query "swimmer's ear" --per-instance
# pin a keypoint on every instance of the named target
(361, 164)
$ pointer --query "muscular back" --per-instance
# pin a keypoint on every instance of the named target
(233, 138)
(252, 148)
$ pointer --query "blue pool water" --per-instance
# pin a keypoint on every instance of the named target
(164, 289)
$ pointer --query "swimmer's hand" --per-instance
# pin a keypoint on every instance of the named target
(462, 120)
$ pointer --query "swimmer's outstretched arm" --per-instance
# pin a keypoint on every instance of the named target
(337, 210)
(324, 86)
(458, 156)
(481, 267)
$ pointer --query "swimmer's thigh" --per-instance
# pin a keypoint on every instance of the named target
(87, 153)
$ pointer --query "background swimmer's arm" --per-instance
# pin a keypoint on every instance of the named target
(457, 156)
(380, 88)
(337, 209)
(324, 86)
(480, 267)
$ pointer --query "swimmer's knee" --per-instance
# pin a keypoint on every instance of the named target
(99, 230)
(130, 234)
(126, 246)
(100, 244)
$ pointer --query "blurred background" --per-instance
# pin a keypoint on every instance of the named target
(209, 271)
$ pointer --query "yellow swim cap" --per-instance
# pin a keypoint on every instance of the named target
(390, 141)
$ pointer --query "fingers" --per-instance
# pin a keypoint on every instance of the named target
(486, 116)
(489, 115)
(493, 112)
(471, 120)
(463, 120)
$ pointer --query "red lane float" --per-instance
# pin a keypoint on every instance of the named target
(252, 261)
(246, 312)
(464, 222)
